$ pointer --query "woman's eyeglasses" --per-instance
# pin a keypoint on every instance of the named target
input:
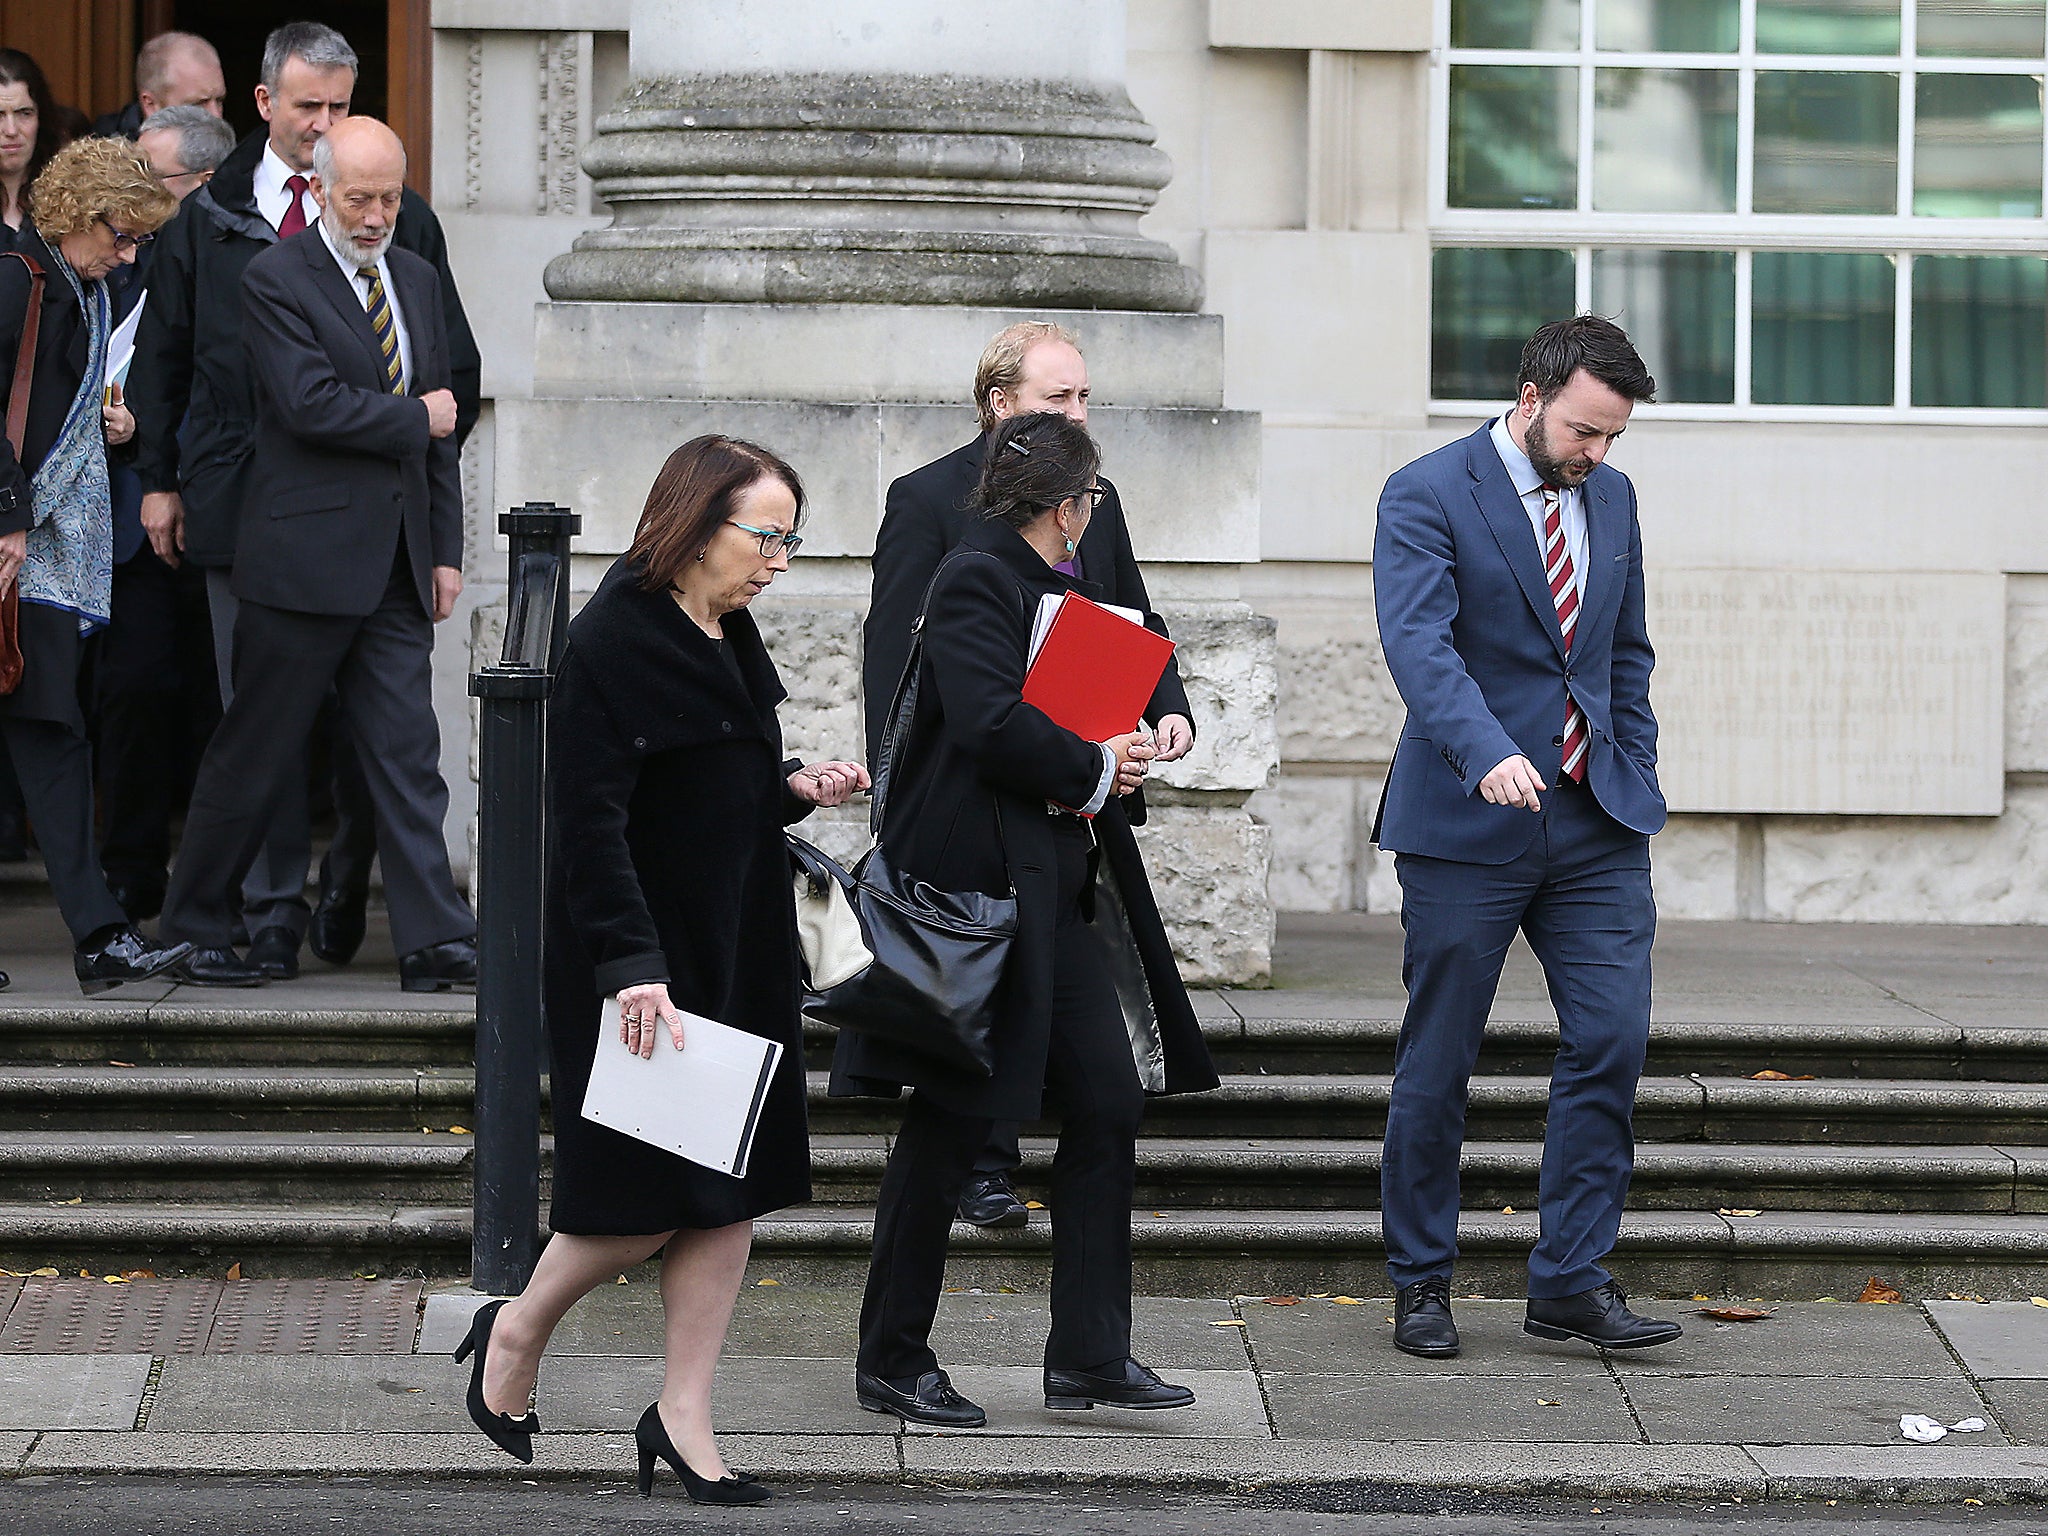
(1095, 493)
(123, 241)
(773, 540)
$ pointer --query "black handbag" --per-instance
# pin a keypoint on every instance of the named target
(940, 956)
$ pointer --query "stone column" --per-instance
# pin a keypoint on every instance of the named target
(877, 152)
(822, 211)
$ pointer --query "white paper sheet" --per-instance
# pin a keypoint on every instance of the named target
(1049, 609)
(702, 1103)
(121, 345)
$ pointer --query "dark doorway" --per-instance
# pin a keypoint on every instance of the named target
(237, 28)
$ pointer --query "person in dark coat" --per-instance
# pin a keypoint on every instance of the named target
(986, 793)
(669, 886)
(1030, 366)
(195, 414)
(93, 205)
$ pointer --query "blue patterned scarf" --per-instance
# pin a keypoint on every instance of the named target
(70, 561)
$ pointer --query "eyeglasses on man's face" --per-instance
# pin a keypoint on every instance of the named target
(123, 241)
(773, 540)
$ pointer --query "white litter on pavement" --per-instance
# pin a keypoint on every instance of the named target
(1918, 1426)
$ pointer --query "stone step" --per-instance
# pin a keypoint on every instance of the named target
(181, 1032)
(1725, 1110)
(173, 1033)
(1178, 1252)
(1213, 1173)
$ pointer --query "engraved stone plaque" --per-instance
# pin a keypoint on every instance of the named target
(1823, 692)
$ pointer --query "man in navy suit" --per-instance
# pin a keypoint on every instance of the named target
(1508, 570)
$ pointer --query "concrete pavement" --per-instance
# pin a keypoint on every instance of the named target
(1303, 1393)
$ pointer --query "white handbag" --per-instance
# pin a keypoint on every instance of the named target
(828, 930)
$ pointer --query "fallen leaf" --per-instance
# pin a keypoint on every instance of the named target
(235, 1270)
(458, 1130)
(1978, 1502)
(1507, 1210)
(74, 1200)
(121, 1064)
(115, 1279)
(1730, 1210)
(1159, 1215)
(1876, 1290)
(426, 1130)
(1968, 1296)
(1347, 1301)
(1549, 1402)
(1768, 1076)
(767, 1282)
(366, 1274)
(1736, 1314)
(1283, 1301)
(2039, 1301)
(1034, 1205)
(45, 1273)
(138, 1274)
(622, 1280)
(85, 1274)
(1227, 1323)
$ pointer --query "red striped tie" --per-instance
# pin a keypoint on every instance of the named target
(1557, 566)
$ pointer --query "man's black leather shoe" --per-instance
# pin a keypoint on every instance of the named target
(336, 932)
(1125, 1385)
(122, 954)
(1422, 1319)
(275, 952)
(439, 967)
(216, 968)
(931, 1400)
(989, 1201)
(1600, 1316)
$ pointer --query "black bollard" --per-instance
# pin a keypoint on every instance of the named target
(511, 853)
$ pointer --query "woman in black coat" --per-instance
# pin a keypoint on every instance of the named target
(669, 886)
(93, 206)
(986, 793)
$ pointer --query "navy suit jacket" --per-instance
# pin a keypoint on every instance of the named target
(1472, 640)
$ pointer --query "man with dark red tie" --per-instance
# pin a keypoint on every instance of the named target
(196, 415)
(1508, 573)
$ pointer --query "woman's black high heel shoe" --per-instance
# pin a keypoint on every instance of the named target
(512, 1436)
(651, 1435)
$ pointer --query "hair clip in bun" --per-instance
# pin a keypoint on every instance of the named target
(1020, 445)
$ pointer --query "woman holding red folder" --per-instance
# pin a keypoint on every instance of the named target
(990, 794)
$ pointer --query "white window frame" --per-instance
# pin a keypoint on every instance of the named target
(1583, 230)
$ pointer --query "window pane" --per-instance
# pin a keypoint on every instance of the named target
(1484, 305)
(1664, 141)
(1978, 324)
(1821, 328)
(1667, 26)
(1826, 142)
(1515, 24)
(1977, 147)
(1679, 309)
(1984, 29)
(1514, 137)
(1827, 26)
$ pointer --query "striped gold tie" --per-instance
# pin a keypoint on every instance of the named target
(386, 328)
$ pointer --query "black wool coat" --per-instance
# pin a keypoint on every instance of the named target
(191, 388)
(930, 510)
(667, 796)
(965, 809)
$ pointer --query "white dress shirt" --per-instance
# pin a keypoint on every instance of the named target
(1529, 486)
(273, 197)
(355, 274)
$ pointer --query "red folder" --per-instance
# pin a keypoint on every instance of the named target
(1096, 671)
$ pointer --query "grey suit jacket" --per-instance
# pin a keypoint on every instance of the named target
(341, 465)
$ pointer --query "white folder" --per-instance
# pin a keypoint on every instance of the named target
(703, 1103)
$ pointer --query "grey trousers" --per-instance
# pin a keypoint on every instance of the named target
(274, 891)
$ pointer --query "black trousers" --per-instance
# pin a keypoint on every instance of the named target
(382, 667)
(55, 767)
(1092, 1085)
(155, 703)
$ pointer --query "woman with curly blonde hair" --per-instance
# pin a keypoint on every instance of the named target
(94, 205)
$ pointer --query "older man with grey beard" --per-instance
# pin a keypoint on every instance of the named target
(349, 552)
